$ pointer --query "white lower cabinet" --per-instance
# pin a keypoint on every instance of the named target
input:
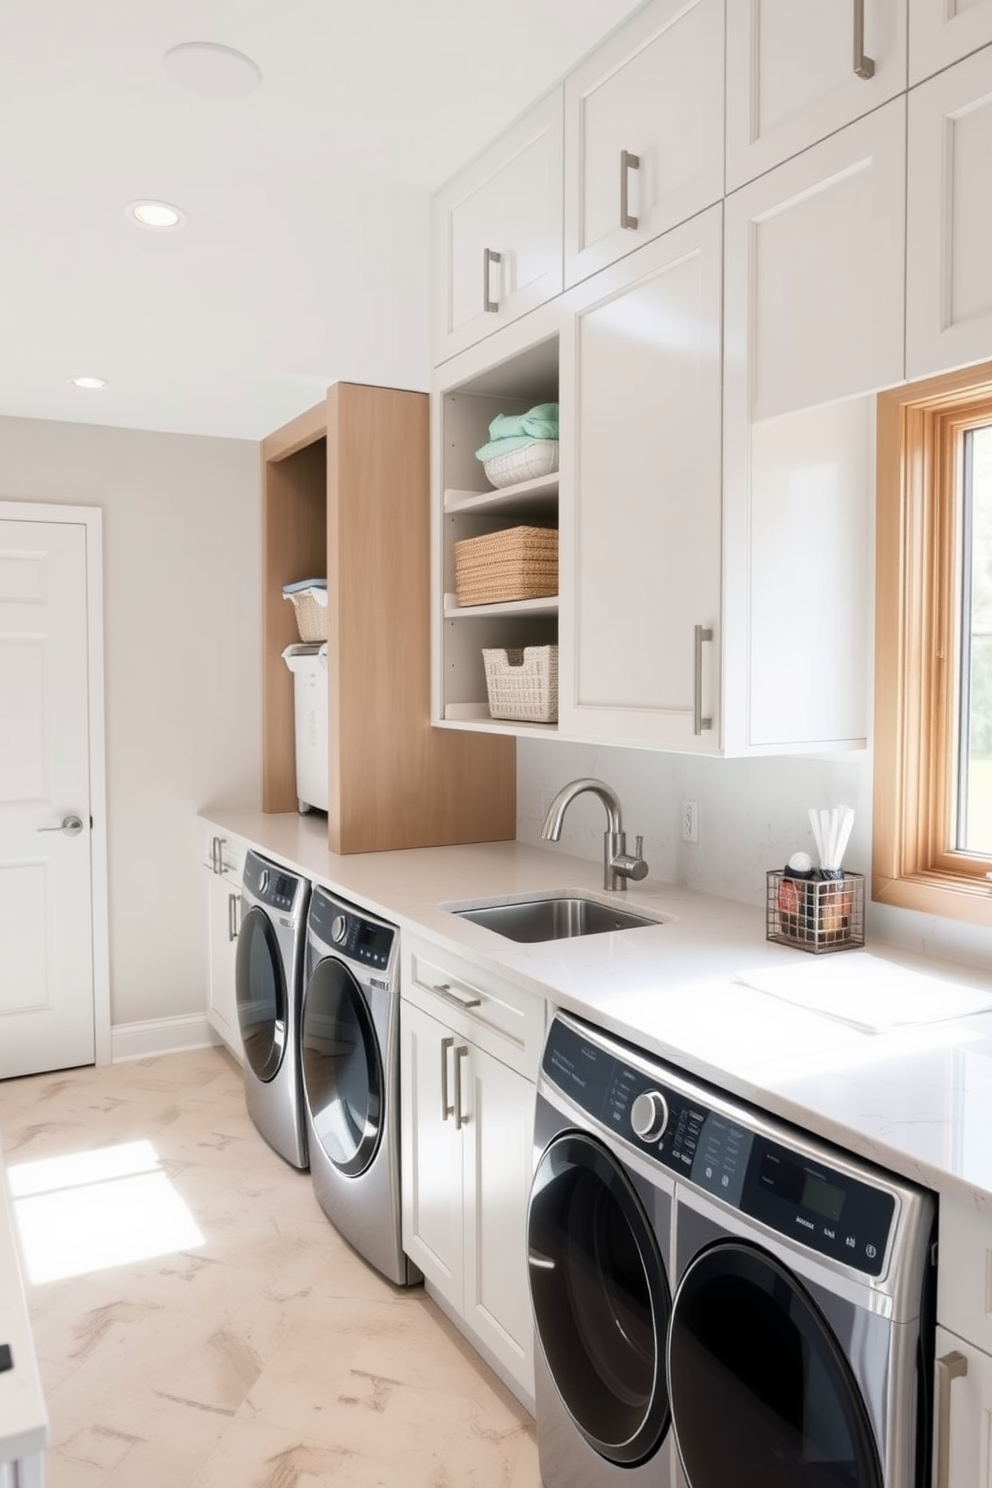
(469, 1054)
(224, 859)
(963, 1386)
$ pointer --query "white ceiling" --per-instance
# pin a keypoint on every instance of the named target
(304, 256)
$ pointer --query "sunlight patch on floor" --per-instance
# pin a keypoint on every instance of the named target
(88, 1211)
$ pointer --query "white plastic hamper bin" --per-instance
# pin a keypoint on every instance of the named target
(308, 665)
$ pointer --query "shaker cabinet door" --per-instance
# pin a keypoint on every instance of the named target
(497, 233)
(643, 132)
(815, 255)
(949, 215)
(944, 31)
(795, 74)
(639, 534)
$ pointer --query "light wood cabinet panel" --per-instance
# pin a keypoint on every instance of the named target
(815, 271)
(949, 220)
(943, 31)
(640, 503)
(497, 232)
(653, 93)
(354, 504)
(791, 78)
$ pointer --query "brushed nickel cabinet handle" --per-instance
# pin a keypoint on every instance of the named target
(628, 162)
(457, 999)
(864, 67)
(460, 1054)
(233, 900)
(446, 1109)
(489, 257)
(951, 1367)
(701, 633)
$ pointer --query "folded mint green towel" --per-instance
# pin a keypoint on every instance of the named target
(509, 432)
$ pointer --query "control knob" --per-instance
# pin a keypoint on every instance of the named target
(339, 928)
(649, 1115)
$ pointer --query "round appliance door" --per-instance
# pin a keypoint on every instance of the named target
(601, 1298)
(763, 1396)
(342, 1068)
(260, 985)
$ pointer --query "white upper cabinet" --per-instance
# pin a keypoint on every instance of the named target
(497, 232)
(640, 499)
(797, 70)
(643, 132)
(815, 254)
(949, 215)
(944, 31)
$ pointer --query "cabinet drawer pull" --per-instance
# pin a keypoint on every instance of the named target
(457, 999)
(628, 162)
(446, 1108)
(702, 633)
(950, 1367)
(864, 67)
(233, 900)
(460, 1054)
(217, 854)
(489, 257)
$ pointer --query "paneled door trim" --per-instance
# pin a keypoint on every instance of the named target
(90, 518)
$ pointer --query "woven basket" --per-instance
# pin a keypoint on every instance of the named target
(311, 614)
(517, 563)
(522, 683)
(536, 459)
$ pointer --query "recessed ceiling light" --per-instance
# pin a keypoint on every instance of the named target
(157, 214)
(93, 384)
(217, 71)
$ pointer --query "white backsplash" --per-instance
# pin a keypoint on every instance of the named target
(752, 815)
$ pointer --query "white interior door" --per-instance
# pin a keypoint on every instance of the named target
(46, 887)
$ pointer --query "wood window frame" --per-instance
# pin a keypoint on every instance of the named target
(916, 649)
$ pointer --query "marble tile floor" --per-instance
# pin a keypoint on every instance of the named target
(270, 1355)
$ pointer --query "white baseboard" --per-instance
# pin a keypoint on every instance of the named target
(160, 1036)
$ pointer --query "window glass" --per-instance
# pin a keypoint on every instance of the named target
(974, 794)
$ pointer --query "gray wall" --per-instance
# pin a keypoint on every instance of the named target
(181, 612)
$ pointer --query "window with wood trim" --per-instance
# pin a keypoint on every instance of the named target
(932, 834)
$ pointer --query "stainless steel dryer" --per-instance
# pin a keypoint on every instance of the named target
(269, 984)
(795, 1349)
(350, 1055)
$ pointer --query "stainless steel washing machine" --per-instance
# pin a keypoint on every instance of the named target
(719, 1298)
(269, 985)
(350, 1059)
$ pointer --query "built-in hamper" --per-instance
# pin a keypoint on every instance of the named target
(522, 683)
(308, 665)
(515, 563)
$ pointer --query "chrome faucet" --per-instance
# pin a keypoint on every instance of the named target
(618, 864)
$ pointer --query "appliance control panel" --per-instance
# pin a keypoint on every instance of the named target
(790, 1189)
(274, 886)
(349, 932)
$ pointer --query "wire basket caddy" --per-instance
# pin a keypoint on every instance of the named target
(815, 914)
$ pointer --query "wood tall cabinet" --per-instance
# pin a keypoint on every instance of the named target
(345, 493)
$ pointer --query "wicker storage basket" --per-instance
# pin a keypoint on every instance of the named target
(311, 614)
(522, 683)
(534, 460)
(517, 563)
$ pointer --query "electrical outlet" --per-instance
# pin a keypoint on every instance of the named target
(690, 821)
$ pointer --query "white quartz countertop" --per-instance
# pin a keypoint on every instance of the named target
(916, 1099)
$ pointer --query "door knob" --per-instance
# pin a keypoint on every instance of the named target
(70, 825)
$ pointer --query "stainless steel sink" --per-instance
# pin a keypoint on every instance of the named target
(555, 917)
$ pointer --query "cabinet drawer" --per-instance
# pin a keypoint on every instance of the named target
(964, 1273)
(223, 854)
(502, 1018)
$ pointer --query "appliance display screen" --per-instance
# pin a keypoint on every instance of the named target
(374, 938)
(821, 1197)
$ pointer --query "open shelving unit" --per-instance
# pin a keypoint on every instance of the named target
(469, 507)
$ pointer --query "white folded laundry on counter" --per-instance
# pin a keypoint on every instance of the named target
(868, 992)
